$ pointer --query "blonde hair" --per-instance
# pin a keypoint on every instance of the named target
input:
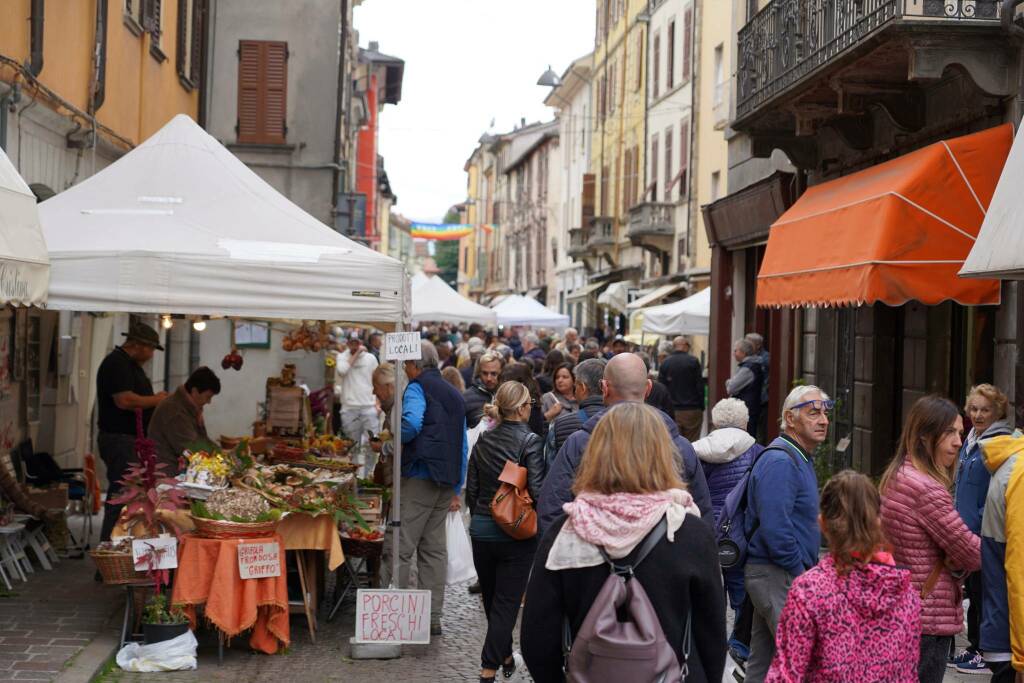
(454, 377)
(384, 374)
(994, 395)
(510, 397)
(630, 451)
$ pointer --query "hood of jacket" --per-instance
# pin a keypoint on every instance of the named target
(873, 590)
(723, 445)
(998, 449)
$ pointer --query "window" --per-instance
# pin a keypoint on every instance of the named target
(668, 165)
(716, 186)
(639, 62)
(684, 158)
(719, 76)
(627, 183)
(670, 54)
(687, 43)
(133, 15)
(611, 88)
(604, 191)
(190, 42)
(152, 22)
(652, 187)
(655, 71)
(262, 91)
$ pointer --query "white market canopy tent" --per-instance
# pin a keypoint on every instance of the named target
(179, 225)
(521, 310)
(691, 315)
(434, 300)
(24, 264)
(999, 250)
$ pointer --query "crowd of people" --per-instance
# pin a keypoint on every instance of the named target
(615, 471)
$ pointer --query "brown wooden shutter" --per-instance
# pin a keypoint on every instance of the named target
(639, 62)
(588, 200)
(262, 91)
(684, 158)
(687, 42)
(670, 56)
(668, 165)
(655, 65)
(151, 13)
(181, 39)
(196, 53)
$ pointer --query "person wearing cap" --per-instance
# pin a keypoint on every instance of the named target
(122, 388)
(353, 387)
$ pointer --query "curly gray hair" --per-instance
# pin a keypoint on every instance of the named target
(730, 412)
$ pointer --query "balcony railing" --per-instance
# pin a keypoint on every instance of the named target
(602, 234)
(790, 39)
(577, 242)
(651, 219)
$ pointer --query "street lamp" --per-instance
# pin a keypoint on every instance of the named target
(549, 78)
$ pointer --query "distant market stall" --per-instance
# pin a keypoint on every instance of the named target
(517, 310)
(433, 300)
(691, 315)
(180, 227)
(24, 262)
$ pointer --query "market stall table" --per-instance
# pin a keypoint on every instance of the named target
(208, 575)
(302, 532)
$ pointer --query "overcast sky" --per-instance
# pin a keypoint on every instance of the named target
(466, 62)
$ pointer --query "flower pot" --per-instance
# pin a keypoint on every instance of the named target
(156, 633)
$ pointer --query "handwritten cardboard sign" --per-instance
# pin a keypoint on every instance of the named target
(259, 560)
(402, 346)
(155, 553)
(393, 616)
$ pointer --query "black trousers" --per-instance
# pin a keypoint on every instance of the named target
(1002, 672)
(117, 452)
(973, 590)
(932, 665)
(503, 568)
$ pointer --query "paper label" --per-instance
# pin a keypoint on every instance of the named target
(259, 560)
(402, 346)
(393, 616)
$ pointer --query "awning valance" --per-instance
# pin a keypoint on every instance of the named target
(999, 251)
(615, 297)
(895, 232)
(585, 291)
(654, 297)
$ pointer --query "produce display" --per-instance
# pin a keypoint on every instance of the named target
(207, 469)
(359, 534)
(307, 338)
(236, 505)
(303, 490)
(232, 360)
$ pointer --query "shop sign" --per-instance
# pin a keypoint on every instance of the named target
(155, 553)
(402, 346)
(259, 560)
(393, 616)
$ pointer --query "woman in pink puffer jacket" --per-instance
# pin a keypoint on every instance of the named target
(924, 529)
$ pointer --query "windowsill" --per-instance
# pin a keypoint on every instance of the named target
(156, 52)
(132, 25)
(186, 83)
(276, 147)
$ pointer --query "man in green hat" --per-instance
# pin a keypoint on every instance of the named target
(121, 388)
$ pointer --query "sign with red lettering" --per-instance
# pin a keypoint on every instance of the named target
(259, 560)
(393, 616)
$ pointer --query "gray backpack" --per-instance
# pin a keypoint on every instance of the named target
(607, 648)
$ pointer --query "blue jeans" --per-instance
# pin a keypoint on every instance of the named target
(734, 586)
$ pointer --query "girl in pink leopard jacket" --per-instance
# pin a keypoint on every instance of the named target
(854, 602)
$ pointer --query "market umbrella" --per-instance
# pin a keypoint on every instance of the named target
(434, 300)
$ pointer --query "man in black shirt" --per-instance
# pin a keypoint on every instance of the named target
(122, 388)
(683, 376)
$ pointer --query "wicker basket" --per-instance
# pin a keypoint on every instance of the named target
(117, 568)
(346, 467)
(216, 528)
(357, 547)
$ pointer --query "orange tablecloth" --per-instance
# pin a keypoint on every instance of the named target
(305, 532)
(208, 574)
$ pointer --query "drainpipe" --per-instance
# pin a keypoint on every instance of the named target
(339, 110)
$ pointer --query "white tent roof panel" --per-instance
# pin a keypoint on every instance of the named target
(434, 300)
(691, 315)
(24, 263)
(521, 310)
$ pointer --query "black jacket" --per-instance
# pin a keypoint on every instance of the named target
(476, 397)
(661, 399)
(679, 577)
(682, 374)
(504, 442)
(567, 424)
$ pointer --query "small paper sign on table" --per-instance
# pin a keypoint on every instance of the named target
(259, 560)
(393, 616)
(155, 553)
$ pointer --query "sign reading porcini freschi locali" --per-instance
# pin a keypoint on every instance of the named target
(402, 346)
(393, 616)
(259, 560)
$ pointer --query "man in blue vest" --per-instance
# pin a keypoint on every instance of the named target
(747, 382)
(433, 469)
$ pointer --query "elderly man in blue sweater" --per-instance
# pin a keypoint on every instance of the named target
(782, 518)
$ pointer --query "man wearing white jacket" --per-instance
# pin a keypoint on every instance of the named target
(353, 386)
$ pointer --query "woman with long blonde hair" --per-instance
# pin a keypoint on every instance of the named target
(627, 482)
(924, 528)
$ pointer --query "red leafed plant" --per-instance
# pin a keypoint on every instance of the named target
(139, 484)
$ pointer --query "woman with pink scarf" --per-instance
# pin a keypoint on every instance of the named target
(627, 483)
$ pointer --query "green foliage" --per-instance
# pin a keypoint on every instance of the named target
(199, 509)
(157, 611)
(446, 256)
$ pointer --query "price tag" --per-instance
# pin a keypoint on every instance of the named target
(393, 616)
(259, 560)
(402, 346)
(155, 553)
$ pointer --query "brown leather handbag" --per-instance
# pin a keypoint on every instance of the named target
(512, 506)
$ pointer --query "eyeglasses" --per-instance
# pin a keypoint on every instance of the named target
(816, 405)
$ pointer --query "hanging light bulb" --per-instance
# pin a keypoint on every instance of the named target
(199, 325)
(166, 322)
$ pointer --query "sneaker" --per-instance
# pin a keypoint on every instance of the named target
(964, 657)
(739, 652)
(435, 630)
(474, 588)
(975, 666)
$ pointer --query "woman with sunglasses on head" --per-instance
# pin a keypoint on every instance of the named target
(924, 528)
(502, 562)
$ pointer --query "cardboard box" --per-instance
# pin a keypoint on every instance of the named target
(52, 497)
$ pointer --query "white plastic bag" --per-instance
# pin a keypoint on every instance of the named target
(460, 553)
(176, 654)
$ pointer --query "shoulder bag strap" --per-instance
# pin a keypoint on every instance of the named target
(646, 546)
(530, 436)
(933, 578)
(781, 449)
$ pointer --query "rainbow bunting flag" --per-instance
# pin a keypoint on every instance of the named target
(444, 231)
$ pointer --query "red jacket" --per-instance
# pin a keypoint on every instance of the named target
(923, 527)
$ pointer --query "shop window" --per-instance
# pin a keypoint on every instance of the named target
(262, 92)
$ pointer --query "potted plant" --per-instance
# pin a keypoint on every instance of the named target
(161, 621)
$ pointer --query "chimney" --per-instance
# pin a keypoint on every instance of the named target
(522, 122)
(374, 46)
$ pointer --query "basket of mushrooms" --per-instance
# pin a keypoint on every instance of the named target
(235, 513)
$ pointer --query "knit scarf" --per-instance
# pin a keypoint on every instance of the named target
(617, 522)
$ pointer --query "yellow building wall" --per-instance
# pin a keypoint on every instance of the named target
(467, 245)
(142, 94)
(624, 127)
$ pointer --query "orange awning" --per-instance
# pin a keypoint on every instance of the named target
(895, 232)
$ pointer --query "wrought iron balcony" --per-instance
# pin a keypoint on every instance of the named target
(790, 40)
(652, 219)
(577, 243)
(602, 234)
